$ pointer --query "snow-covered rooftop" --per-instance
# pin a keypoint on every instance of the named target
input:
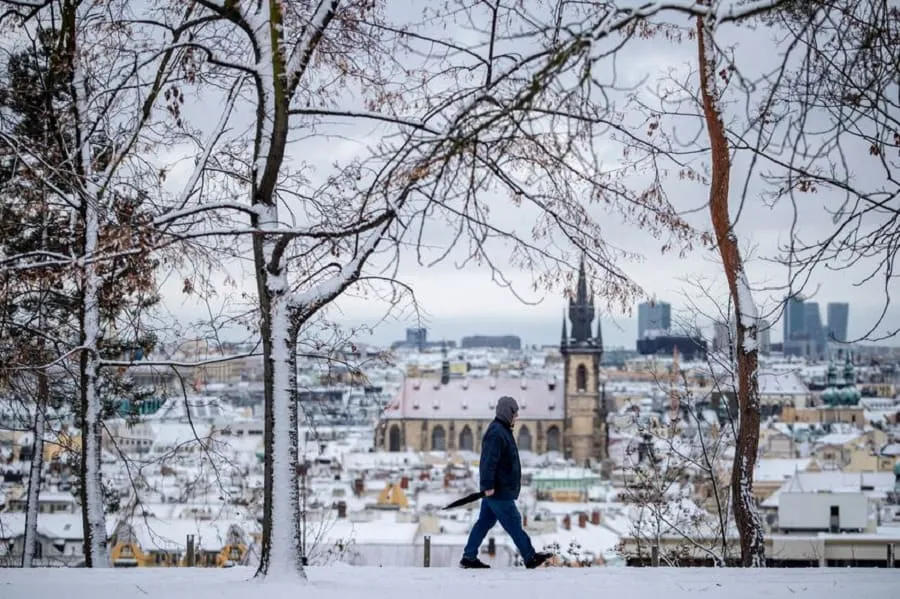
(778, 469)
(781, 383)
(476, 399)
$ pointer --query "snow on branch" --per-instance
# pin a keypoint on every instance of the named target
(720, 12)
(178, 364)
(309, 39)
(309, 301)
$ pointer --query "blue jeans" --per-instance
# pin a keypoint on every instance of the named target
(504, 511)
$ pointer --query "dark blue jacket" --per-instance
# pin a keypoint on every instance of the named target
(499, 468)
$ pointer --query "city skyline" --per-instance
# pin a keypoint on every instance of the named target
(490, 310)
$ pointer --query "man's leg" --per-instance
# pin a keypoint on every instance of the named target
(511, 521)
(486, 521)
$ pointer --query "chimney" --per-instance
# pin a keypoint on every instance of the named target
(404, 483)
(595, 517)
(525, 521)
(492, 547)
(445, 364)
(582, 519)
(358, 487)
(341, 509)
(567, 522)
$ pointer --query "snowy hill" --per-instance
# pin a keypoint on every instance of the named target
(345, 582)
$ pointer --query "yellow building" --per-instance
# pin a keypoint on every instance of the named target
(854, 452)
(176, 543)
(447, 414)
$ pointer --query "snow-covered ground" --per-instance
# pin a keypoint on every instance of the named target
(345, 582)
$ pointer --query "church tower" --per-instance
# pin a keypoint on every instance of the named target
(584, 435)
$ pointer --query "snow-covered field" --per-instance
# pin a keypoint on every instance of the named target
(451, 583)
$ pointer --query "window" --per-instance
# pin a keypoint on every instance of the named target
(581, 378)
(438, 439)
(466, 439)
(394, 438)
(524, 440)
(553, 440)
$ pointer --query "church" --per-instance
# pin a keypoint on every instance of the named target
(452, 415)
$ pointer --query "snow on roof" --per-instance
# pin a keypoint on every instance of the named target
(834, 481)
(475, 399)
(570, 473)
(781, 383)
(53, 526)
(778, 469)
(838, 438)
(385, 529)
(381, 459)
(200, 407)
(171, 534)
(599, 540)
(837, 481)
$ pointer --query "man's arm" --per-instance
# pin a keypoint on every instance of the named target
(487, 466)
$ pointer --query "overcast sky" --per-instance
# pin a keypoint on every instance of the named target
(455, 302)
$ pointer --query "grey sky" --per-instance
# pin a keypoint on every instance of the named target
(457, 303)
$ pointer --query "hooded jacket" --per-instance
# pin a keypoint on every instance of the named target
(499, 468)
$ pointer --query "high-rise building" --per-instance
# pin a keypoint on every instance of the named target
(838, 316)
(764, 336)
(417, 337)
(654, 316)
(794, 318)
(723, 333)
(815, 332)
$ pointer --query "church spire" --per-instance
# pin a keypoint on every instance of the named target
(564, 340)
(581, 311)
(445, 364)
(582, 293)
(598, 340)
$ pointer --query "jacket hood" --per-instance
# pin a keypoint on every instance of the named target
(507, 408)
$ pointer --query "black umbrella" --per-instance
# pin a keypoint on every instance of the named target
(464, 500)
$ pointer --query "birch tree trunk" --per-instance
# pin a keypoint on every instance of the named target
(746, 351)
(34, 474)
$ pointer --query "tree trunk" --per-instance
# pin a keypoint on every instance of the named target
(746, 350)
(34, 474)
(280, 555)
(92, 507)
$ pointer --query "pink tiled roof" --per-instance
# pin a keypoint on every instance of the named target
(475, 399)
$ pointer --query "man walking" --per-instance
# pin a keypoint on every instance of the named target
(500, 475)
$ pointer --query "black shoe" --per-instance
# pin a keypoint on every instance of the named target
(537, 560)
(472, 563)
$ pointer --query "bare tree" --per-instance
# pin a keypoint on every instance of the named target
(824, 127)
(100, 75)
(746, 313)
(674, 474)
(451, 144)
